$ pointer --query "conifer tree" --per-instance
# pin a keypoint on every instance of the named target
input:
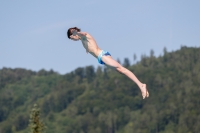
(35, 124)
(126, 62)
(134, 57)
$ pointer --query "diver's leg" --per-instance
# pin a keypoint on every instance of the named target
(110, 62)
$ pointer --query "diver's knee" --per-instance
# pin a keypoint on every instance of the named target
(121, 69)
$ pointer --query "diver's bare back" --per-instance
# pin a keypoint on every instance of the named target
(90, 45)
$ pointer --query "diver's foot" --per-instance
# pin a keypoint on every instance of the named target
(144, 91)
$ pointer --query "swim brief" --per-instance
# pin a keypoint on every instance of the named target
(102, 54)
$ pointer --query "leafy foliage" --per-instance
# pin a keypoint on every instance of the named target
(35, 123)
(103, 101)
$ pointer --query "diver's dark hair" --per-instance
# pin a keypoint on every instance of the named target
(69, 32)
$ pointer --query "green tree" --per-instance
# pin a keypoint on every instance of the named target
(126, 62)
(134, 57)
(165, 50)
(79, 72)
(151, 53)
(118, 60)
(36, 125)
(90, 73)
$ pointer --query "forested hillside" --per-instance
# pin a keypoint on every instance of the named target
(90, 100)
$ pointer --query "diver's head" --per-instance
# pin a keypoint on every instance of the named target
(71, 33)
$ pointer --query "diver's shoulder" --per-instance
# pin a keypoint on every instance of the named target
(87, 34)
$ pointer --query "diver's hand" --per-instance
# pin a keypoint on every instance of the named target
(74, 38)
(74, 32)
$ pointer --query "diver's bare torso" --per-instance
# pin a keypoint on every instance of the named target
(90, 45)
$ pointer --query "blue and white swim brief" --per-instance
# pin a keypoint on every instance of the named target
(102, 54)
